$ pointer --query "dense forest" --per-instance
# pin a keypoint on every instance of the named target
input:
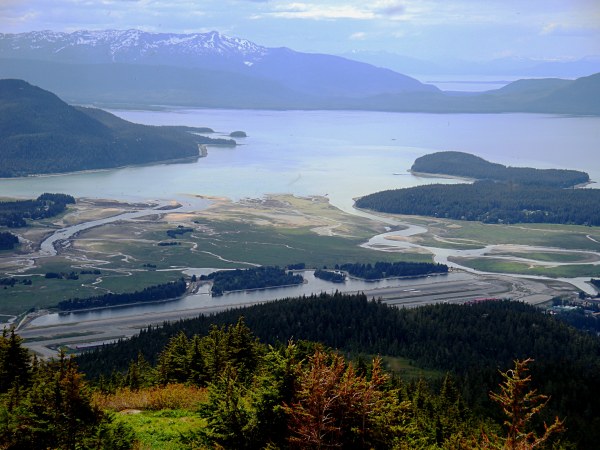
(328, 275)
(150, 294)
(469, 341)
(250, 395)
(501, 194)
(381, 270)
(47, 405)
(491, 202)
(8, 240)
(254, 278)
(12, 281)
(39, 133)
(13, 214)
(466, 165)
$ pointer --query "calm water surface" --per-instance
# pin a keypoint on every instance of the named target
(343, 154)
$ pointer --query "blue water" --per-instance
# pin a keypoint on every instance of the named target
(342, 154)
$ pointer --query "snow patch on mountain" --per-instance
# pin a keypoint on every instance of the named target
(116, 43)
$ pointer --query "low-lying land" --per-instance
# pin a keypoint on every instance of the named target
(277, 231)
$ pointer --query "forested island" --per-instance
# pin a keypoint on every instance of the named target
(163, 291)
(381, 270)
(13, 214)
(253, 278)
(39, 133)
(502, 195)
(328, 275)
(462, 164)
(470, 342)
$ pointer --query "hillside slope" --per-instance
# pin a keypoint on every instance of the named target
(39, 133)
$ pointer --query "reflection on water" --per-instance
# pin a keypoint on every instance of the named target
(203, 299)
(344, 154)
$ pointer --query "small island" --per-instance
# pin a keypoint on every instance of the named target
(155, 293)
(460, 164)
(381, 270)
(254, 278)
(238, 134)
(331, 276)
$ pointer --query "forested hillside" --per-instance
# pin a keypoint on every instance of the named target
(39, 133)
(501, 194)
(225, 389)
(490, 202)
(470, 341)
(466, 165)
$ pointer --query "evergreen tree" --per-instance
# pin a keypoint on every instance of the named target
(173, 362)
(520, 405)
(14, 361)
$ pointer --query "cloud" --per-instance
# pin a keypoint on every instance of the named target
(320, 12)
(358, 36)
(557, 29)
(389, 8)
(549, 28)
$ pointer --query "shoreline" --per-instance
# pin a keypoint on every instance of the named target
(440, 175)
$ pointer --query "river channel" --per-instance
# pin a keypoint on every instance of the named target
(338, 154)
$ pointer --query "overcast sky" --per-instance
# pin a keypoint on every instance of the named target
(427, 29)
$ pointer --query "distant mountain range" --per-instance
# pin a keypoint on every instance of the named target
(135, 68)
(500, 67)
(39, 133)
(211, 61)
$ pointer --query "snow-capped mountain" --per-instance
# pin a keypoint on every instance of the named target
(299, 74)
(129, 46)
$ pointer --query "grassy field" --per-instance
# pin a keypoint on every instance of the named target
(548, 256)
(407, 371)
(477, 235)
(278, 231)
(46, 293)
(163, 430)
(504, 266)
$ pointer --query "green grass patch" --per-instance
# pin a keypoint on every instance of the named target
(569, 271)
(47, 292)
(429, 241)
(542, 235)
(503, 266)
(407, 371)
(559, 257)
(267, 245)
(164, 429)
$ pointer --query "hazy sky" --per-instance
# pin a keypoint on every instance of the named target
(428, 29)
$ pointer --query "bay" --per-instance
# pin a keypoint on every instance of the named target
(341, 154)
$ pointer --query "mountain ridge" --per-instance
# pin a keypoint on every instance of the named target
(132, 68)
(307, 73)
